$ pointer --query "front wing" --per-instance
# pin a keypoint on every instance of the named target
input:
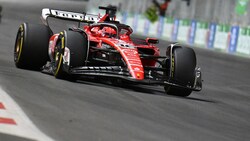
(151, 77)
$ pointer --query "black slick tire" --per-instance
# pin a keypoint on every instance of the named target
(76, 43)
(31, 46)
(182, 71)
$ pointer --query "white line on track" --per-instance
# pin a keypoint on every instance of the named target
(24, 126)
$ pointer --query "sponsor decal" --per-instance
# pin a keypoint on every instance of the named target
(183, 31)
(233, 39)
(160, 26)
(134, 63)
(243, 41)
(137, 69)
(221, 37)
(201, 33)
(168, 28)
(192, 32)
(131, 53)
(175, 30)
(211, 35)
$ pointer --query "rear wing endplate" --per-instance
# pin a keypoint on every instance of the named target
(67, 15)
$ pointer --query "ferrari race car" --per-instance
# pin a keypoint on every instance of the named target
(102, 47)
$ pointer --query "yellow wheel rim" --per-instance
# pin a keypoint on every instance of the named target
(19, 44)
(58, 58)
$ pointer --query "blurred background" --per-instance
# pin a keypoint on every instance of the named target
(222, 25)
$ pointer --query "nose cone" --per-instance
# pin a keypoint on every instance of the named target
(139, 75)
(133, 61)
(137, 72)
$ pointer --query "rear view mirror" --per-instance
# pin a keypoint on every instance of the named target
(152, 41)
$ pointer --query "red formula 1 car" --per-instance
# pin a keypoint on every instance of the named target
(103, 47)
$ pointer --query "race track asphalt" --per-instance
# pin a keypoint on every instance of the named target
(92, 111)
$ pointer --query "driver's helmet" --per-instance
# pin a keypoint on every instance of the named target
(109, 32)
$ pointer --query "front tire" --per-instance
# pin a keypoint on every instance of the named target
(182, 70)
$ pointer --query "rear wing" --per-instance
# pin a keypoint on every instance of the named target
(67, 15)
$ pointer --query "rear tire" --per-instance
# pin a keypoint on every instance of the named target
(31, 46)
(182, 70)
(76, 43)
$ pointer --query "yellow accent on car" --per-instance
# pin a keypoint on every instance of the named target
(21, 27)
(172, 67)
(59, 65)
(62, 42)
(60, 58)
(20, 45)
